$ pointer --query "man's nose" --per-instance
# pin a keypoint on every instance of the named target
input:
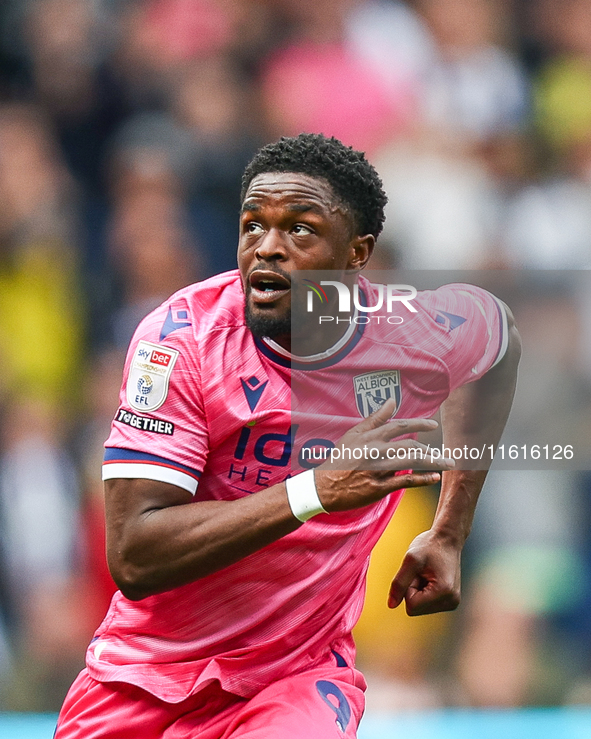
(272, 246)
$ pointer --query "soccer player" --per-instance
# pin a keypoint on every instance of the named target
(240, 576)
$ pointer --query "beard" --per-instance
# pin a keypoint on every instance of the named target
(267, 326)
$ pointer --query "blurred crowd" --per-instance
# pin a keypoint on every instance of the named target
(124, 128)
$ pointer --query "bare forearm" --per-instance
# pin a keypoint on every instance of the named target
(172, 546)
(429, 577)
(457, 503)
(159, 539)
(474, 416)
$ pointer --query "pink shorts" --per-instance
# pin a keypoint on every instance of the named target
(325, 702)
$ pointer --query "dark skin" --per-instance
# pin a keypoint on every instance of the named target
(429, 578)
(294, 223)
(159, 539)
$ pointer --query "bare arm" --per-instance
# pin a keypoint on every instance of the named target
(473, 415)
(158, 538)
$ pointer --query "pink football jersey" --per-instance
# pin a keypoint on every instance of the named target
(208, 407)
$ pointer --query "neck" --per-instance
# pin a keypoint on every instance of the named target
(308, 342)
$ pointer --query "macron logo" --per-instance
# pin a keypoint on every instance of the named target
(253, 389)
(170, 324)
(452, 321)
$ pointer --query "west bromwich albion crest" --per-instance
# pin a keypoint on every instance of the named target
(373, 389)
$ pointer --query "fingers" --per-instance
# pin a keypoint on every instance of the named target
(416, 480)
(421, 596)
(407, 453)
(381, 433)
(379, 420)
(379, 417)
(423, 591)
(422, 601)
(405, 576)
(401, 427)
(378, 426)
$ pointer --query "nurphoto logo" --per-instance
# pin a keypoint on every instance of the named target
(393, 294)
(388, 294)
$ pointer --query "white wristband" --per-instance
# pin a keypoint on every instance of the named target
(302, 496)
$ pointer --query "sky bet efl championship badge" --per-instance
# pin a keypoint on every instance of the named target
(149, 374)
(373, 389)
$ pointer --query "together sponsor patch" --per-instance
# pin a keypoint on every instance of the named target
(144, 423)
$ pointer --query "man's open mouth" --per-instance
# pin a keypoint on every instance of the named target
(267, 286)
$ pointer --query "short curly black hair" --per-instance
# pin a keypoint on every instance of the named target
(353, 179)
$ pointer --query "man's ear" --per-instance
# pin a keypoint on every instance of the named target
(361, 249)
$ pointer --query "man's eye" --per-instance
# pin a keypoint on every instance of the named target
(253, 228)
(300, 230)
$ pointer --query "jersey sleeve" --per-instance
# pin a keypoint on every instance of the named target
(476, 327)
(160, 430)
